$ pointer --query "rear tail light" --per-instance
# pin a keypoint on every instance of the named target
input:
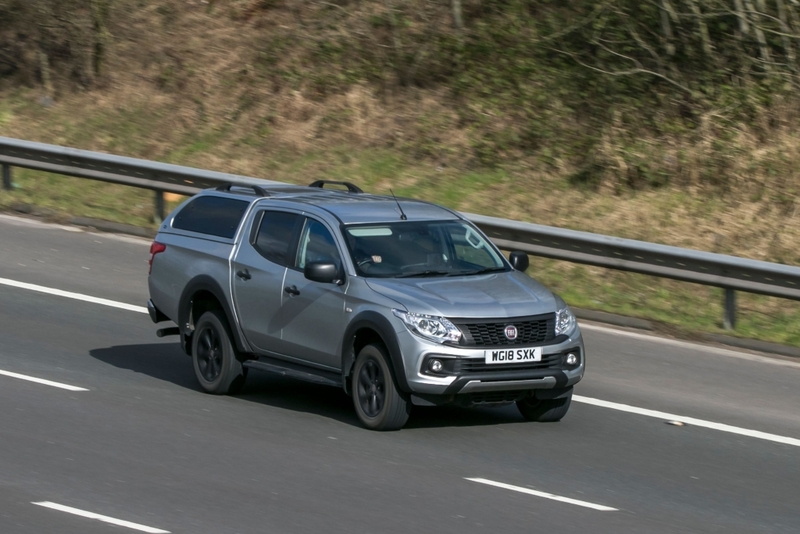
(155, 248)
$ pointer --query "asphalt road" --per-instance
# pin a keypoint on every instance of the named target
(142, 444)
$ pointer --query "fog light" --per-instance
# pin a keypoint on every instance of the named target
(435, 366)
(572, 358)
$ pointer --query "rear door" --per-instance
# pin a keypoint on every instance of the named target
(313, 313)
(259, 269)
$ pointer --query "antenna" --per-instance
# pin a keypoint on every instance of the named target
(402, 214)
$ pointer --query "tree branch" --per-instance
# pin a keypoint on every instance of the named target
(667, 12)
(570, 29)
(644, 45)
(704, 36)
(638, 70)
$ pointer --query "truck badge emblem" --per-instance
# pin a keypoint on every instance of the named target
(511, 332)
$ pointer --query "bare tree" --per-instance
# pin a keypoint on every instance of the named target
(703, 27)
(67, 38)
(458, 20)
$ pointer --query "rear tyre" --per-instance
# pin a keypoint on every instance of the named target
(214, 357)
(379, 404)
(544, 410)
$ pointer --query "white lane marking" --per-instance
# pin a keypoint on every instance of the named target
(584, 326)
(71, 295)
(688, 420)
(586, 400)
(20, 221)
(775, 360)
(544, 495)
(104, 518)
(42, 381)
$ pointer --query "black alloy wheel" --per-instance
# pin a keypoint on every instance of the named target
(371, 388)
(209, 353)
(215, 359)
(379, 404)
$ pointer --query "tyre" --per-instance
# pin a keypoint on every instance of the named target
(380, 405)
(544, 410)
(214, 357)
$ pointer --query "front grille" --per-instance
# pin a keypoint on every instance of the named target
(479, 365)
(531, 330)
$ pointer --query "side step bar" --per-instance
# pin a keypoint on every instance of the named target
(307, 374)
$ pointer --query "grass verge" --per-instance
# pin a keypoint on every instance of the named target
(681, 308)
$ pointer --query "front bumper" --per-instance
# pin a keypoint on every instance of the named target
(466, 374)
(481, 386)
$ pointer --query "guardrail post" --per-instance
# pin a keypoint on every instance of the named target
(6, 176)
(159, 215)
(729, 321)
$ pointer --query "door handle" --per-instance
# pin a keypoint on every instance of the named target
(292, 290)
(244, 275)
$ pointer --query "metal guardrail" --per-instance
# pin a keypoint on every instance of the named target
(159, 177)
(728, 272)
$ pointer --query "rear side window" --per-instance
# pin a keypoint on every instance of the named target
(217, 216)
(274, 238)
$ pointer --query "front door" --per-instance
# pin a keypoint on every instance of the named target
(313, 314)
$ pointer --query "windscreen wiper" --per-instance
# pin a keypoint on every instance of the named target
(428, 272)
(479, 271)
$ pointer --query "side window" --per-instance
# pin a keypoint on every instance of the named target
(316, 244)
(273, 240)
(218, 216)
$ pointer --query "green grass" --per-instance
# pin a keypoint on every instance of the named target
(680, 308)
(63, 197)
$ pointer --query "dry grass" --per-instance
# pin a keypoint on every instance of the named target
(182, 87)
(185, 84)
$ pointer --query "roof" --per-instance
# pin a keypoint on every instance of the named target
(353, 208)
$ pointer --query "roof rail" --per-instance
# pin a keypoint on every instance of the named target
(260, 191)
(351, 188)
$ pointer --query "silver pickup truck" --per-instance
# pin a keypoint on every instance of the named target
(399, 302)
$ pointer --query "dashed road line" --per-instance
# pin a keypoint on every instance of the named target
(42, 381)
(577, 398)
(544, 495)
(688, 420)
(71, 295)
(103, 518)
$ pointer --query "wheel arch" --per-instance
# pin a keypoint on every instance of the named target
(201, 294)
(370, 327)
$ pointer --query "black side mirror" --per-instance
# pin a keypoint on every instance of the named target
(323, 272)
(519, 261)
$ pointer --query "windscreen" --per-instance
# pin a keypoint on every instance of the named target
(421, 249)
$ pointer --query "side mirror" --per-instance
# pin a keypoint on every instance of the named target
(323, 272)
(519, 261)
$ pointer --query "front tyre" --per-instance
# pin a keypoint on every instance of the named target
(378, 402)
(544, 410)
(214, 357)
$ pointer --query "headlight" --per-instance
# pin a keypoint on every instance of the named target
(430, 327)
(565, 321)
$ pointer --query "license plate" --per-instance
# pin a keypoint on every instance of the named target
(521, 355)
